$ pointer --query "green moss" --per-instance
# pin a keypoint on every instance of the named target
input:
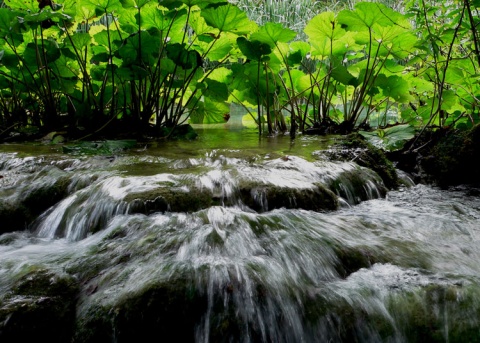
(159, 311)
(453, 159)
(368, 156)
(18, 212)
(264, 197)
(169, 199)
(39, 307)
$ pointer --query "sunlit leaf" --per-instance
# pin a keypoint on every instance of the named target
(29, 5)
(392, 138)
(394, 87)
(272, 33)
(324, 25)
(210, 112)
(106, 6)
(229, 18)
(367, 14)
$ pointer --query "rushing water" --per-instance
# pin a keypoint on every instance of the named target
(398, 268)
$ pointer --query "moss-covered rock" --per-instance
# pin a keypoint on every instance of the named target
(356, 149)
(265, 197)
(32, 198)
(357, 185)
(39, 307)
(453, 159)
(169, 199)
(161, 311)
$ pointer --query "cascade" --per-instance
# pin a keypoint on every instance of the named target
(244, 245)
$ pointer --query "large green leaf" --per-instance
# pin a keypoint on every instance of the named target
(392, 138)
(29, 5)
(216, 90)
(221, 74)
(80, 40)
(220, 48)
(190, 3)
(111, 39)
(172, 22)
(46, 14)
(135, 3)
(395, 87)
(272, 33)
(187, 59)
(229, 18)
(8, 18)
(139, 45)
(324, 25)
(253, 50)
(32, 57)
(367, 14)
(210, 112)
(105, 6)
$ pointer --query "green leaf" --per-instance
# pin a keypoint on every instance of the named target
(253, 50)
(210, 112)
(216, 90)
(324, 25)
(392, 138)
(229, 18)
(367, 14)
(394, 87)
(341, 74)
(99, 148)
(80, 40)
(8, 18)
(44, 15)
(272, 33)
(137, 45)
(190, 3)
(187, 59)
(134, 3)
(106, 6)
(29, 5)
(219, 48)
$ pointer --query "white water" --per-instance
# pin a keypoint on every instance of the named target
(384, 270)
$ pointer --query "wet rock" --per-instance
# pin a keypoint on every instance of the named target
(169, 199)
(453, 159)
(39, 307)
(161, 311)
(25, 202)
(264, 197)
(358, 185)
(357, 149)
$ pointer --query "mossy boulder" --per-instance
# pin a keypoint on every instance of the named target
(172, 199)
(357, 185)
(39, 307)
(160, 311)
(452, 157)
(267, 197)
(31, 198)
(356, 149)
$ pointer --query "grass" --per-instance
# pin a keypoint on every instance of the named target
(295, 14)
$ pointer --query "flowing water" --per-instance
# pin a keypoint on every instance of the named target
(397, 266)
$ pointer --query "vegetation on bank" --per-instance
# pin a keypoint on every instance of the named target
(147, 66)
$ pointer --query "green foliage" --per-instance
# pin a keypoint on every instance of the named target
(147, 65)
(391, 138)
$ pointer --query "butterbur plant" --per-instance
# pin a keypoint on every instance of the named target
(145, 64)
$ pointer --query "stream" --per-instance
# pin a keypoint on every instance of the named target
(231, 238)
